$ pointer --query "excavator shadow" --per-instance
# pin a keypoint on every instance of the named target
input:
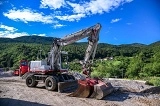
(117, 96)
(40, 87)
(16, 102)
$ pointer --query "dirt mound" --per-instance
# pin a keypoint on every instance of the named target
(6, 73)
(128, 85)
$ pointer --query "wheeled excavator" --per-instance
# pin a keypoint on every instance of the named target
(55, 75)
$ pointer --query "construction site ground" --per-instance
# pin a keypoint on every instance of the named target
(14, 92)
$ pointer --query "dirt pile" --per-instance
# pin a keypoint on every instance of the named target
(6, 73)
(128, 85)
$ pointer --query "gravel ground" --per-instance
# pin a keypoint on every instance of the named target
(14, 92)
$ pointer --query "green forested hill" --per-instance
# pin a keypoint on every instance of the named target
(129, 60)
(28, 39)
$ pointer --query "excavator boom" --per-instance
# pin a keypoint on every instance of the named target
(89, 87)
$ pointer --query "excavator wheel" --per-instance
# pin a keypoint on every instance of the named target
(51, 83)
(31, 82)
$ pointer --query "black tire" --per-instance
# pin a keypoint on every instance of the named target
(31, 82)
(51, 83)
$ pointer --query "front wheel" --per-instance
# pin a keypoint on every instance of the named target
(51, 83)
(31, 82)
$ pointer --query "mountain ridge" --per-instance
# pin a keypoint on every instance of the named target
(49, 40)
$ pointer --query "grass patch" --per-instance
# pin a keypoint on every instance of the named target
(153, 81)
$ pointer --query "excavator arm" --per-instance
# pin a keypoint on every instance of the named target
(93, 36)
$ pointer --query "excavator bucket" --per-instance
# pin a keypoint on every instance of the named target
(101, 90)
(92, 88)
(68, 86)
(83, 91)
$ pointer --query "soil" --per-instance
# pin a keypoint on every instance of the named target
(14, 92)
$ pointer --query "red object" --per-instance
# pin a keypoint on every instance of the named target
(23, 68)
(16, 72)
(85, 88)
(94, 88)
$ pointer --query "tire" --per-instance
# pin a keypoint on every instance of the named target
(31, 82)
(51, 83)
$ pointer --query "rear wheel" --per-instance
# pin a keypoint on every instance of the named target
(31, 81)
(51, 83)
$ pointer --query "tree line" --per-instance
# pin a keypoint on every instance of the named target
(129, 61)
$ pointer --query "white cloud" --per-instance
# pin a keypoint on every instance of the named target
(8, 34)
(75, 17)
(65, 10)
(11, 32)
(41, 34)
(38, 34)
(12, 29)
(58, 26)
(115, 20)
(14, 35)
(27, 15)
(57, 12)
(52, 4)
(77, 8)
(84, 9)
(96, 6)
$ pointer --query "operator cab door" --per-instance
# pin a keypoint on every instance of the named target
(64, 61)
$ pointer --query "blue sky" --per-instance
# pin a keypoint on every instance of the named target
(123, 21)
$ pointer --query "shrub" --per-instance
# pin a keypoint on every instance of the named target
(154, 81)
